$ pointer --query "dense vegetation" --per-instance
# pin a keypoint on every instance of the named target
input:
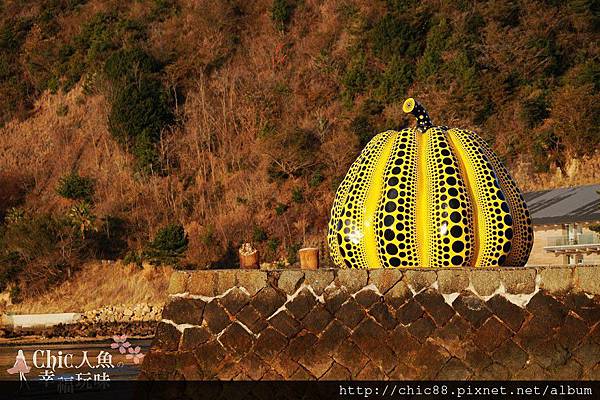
(231, 121)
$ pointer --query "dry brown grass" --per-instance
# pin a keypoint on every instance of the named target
(98, 285)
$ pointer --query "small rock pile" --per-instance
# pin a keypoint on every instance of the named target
(124, 313)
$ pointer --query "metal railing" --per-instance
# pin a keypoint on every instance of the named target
(588, 238)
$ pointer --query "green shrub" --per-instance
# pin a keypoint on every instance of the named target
(534, 111)
(316, 179)
(298, 195)
(75, 187)
(281, 13)
(139, 109)
(356, 78)
(395, 80)
(272, 246)
(292, 253)
(280, 208)
(168, 246)
(170, 238)
(259, 234)
(362, 128)
(125, 65)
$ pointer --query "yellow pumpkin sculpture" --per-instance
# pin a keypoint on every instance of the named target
(429, 196)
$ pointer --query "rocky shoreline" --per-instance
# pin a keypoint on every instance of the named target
(138, 320)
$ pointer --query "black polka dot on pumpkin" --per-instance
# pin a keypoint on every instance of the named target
(458, 246)
(390, 206)
(508, 220)
(455, 216)
(392, 194)
(509, 233)
(388, 234)
(391, 249)
(456, 231)
(457, 260)
(454, 203)
(394, 261)
(388, 220)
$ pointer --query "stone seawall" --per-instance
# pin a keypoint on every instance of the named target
(526, 323)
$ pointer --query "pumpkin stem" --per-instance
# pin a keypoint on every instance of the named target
(415, 108)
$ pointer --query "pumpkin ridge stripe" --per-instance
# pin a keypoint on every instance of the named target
(337, 209)
(493, 213)
(522, 241)
(468, 174)
(422, 213)
(373, 199)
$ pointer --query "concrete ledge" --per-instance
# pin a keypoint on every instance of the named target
(39, 320)
(534, 322)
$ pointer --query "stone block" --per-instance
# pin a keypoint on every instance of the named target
(419, 280)
(216, 317)
(429, 360)
(167, 337)
(336, 373)
(334, 297)
(381, 312)
(587, 279)
(556, 280)
(284, 323)
(318, 280)
(572, 332)
(234, 300)
(350, 313)
(404, 345)
(316, 362)
(452, 281)
(178, 282)
(237, 339)
(367, 297)
(472, 308)
(317, 319)
(547, 308)
(300, 345)
(453, 370)
(409, 312)
(493, 371)
(350, 356)
(269, 344)
(252, 319)
(384, 278)
(209, 356)
(202, 283)
(485, 282)
(334, 334)
(398, 294)
(194, 337)
(435, 305)
(300, 305)
(182, 310)
(252, 280)
(518, 280)
(453, 333)
(225, 279)
(422, 328)
(254, 366)
(371, 372)
(491, 335)
(588, 354)
(510, 355)
(510, 314)
(267, 301)
(289, 280)
(352, 279)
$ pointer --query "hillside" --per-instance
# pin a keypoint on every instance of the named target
(237, 120)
